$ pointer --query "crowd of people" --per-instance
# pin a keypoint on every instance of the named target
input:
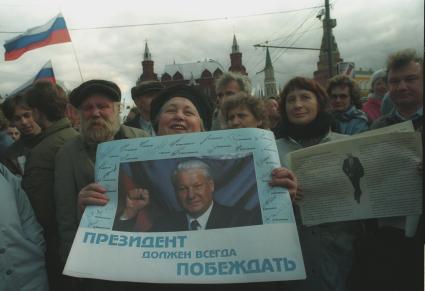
(48, 158)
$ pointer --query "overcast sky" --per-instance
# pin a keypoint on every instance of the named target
(366, 32)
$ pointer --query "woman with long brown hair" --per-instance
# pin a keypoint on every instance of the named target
(327, 248)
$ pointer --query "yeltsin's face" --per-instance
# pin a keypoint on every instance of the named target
(194, 191)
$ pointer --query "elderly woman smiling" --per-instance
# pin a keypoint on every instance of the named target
(181, 109)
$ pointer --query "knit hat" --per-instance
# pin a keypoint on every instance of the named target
(199, 99)
(88, 88)
(378, 74)
(146, 87)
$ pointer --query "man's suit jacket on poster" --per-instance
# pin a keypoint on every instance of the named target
(355, 169)
(220, 217)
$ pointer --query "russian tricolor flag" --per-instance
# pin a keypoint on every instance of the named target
(46, 73)
(52, 32)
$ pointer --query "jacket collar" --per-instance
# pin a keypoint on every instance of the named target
(57, 126)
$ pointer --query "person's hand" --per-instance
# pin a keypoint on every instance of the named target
(283, 177)
(92, 194)
(136, 200)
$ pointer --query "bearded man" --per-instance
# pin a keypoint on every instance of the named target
(98, 105)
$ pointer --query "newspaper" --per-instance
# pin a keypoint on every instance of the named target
(406, 126)
(370, 176)
(108, 247)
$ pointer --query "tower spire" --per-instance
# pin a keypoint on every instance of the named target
(147, 66)
(269, 80)
(235, 46)
(268, 60)
(236, 59)
(147, 54)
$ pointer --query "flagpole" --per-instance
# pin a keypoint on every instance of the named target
(75, 53)
(78, 62)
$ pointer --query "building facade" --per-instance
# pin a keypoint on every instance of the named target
(201, 74)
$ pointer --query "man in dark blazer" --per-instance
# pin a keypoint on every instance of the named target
(194, 188)
(354, 170)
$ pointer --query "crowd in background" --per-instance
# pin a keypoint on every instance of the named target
(48, 153)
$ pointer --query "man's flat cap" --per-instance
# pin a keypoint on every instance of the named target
(146, 87)
(107, 88)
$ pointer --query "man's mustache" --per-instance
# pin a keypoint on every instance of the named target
(98, 121)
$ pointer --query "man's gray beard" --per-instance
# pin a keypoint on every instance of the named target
(100, 133)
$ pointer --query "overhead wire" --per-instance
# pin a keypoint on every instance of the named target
(261, 59)
(195, 21)
(301, 32)
(184, 21)
(307, 30)
(293, 42)
(287, 39)
(249, 61)
(256, 60)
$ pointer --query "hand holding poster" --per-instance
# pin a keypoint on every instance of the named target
(158, 187)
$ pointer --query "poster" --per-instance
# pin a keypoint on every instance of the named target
(156, 185)
(368, 176)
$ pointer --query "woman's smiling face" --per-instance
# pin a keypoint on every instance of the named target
(179, 115)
